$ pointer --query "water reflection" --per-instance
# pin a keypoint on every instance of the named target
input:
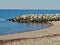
(14, 27)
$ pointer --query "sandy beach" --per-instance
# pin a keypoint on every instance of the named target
(47, 36)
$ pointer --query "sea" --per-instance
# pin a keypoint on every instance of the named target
(7, 27)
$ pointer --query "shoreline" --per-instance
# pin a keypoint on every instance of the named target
(50, 31)
(49, 25)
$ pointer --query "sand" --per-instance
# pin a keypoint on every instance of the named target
(47, 36)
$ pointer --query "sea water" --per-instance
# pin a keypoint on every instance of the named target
(7, 27)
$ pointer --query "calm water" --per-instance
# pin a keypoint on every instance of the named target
(14, 27)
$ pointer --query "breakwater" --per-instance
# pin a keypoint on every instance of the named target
(36, 18)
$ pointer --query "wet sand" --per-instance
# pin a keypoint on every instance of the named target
(50, 35)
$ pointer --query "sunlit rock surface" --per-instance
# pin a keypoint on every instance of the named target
(36, 18)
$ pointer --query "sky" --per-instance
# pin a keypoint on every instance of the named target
(29, 4)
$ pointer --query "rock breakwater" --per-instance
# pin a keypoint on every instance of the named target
(36, 18)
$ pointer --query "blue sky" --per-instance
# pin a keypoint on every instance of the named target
(29, 4)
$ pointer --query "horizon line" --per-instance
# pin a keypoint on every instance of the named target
(27, 9)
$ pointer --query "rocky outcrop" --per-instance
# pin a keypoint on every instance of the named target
(36, 18)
